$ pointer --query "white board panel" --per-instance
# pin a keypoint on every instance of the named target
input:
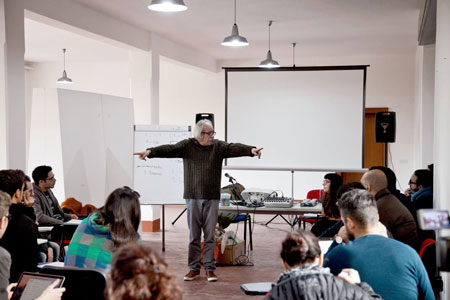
(301, 118)
(159, 180)
(97, 143)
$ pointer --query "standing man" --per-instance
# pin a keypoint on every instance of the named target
(202, 163)
(46, 206)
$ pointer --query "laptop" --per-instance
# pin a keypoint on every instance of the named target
(256, 288)
(31, 285)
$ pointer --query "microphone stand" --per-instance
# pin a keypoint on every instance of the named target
(236, 191)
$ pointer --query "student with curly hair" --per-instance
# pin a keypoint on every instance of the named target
(137, 273)
(305, 278)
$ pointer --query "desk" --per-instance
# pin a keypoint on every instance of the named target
(296, 209)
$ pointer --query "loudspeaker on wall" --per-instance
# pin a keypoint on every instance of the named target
(201, 116)
(385, 127)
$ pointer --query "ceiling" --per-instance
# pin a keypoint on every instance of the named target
(319, 27)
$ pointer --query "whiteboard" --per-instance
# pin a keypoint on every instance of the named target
(159, 180)
(303, 117)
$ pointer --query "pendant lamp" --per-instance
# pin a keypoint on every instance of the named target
(64, 78)
(235, 40)
(269, 62)
(167, 5)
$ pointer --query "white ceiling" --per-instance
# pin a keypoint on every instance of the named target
(319, 27)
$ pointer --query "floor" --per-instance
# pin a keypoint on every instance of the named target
(264, 257)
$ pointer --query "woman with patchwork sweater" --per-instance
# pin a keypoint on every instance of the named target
(105, 230)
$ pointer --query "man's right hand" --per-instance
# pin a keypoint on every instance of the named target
(143, 155)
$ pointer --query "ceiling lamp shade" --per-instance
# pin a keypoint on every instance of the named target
(269, 62)
(167, 5)
(235, 40)
(64, 78)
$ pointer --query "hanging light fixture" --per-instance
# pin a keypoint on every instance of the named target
(235, 40)
(64, 78)
(167, 5)
(293, 54)
(269, 62)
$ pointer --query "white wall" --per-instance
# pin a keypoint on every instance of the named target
(186, 90)
(390, 83)
(3, 147)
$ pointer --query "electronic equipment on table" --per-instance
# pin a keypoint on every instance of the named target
(280, 202)
(309, 202)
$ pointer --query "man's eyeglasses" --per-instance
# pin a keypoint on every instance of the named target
(127, 188)
(8, 217)
(412, 182)
(50, 179)
(211, 133)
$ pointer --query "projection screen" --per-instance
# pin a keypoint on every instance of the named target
(305, 117)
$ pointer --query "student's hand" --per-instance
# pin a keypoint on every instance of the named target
(143, 155)
(74, 217)
(343, 235)
(10, 288)
(52, 293)
(49, 254)
(407, 192)
(350, 276)
(257, 152)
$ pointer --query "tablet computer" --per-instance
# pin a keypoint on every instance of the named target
(256, 288)
(31, 285)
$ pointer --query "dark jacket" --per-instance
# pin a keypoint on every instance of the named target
(423, 198)
(5, 265)
(315, 282)
(42, 208)
(20, 239)
(397, 218)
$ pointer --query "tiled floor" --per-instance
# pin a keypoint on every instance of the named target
(264, 257)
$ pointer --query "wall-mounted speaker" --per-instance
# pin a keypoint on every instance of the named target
(207, 116)
(385, 127)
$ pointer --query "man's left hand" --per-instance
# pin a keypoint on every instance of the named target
(74, 217)
(257, 152)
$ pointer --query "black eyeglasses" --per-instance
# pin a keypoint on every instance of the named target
(211, 133)
(8, 217)
(412, 182)
(127, 188)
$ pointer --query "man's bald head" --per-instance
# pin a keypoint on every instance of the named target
(374, 181)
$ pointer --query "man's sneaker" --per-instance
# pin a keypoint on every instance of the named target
(211, 276)
(191, 275)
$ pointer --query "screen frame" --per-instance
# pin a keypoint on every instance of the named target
(306, 68)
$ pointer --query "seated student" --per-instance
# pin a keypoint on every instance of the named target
(330, 212)
(5, 259)
(20, 238)
(305, 278)
(333, 230)
(392, 268)
(395, 216)
(103, 231)
(137, 273)
(48, 211)
(392, 187)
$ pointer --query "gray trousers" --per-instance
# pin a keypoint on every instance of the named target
(202, 214)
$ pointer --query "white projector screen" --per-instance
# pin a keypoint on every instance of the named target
(306, 117)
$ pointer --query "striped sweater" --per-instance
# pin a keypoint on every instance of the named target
(202, 164)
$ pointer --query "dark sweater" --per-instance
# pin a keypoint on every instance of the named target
(397, 218)
(202, 164)
(20, 239)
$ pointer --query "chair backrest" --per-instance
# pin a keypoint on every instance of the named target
(80, 283)
(314, 194)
